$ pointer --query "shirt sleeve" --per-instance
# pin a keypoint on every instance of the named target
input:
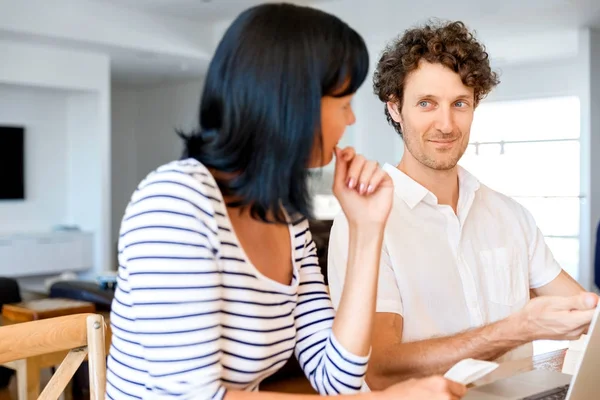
(389, 299)
(543, 268)
(168, 247)
(330, 368)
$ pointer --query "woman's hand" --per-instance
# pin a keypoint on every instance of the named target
(434, 388)
(364, 190)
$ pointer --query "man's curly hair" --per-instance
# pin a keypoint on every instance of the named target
(450, 44)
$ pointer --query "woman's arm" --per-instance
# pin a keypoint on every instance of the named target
(330, 367)
(333, 349)
(365, 193)
(354, 318)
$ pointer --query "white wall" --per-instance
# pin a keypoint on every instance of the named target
(82, 134)
(374, 137)
(125, 110)
(589, 70)
(539, 79)
(89, 170)
(42, 113)
(162, 110)
(143, 135)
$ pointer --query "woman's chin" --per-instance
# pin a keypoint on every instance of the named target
(321, 162)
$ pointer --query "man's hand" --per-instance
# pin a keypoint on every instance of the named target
(434, 388)
(557, 318)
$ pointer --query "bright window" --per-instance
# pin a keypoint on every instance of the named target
(529, 150)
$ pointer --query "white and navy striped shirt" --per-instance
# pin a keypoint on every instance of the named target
(192, 317)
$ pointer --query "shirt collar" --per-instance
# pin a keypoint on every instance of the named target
(467, 182)
(412, 192)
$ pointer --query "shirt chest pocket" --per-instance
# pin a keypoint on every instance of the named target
(504, 276)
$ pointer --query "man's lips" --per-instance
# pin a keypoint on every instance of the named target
(443, 141)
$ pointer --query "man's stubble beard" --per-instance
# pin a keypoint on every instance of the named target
(418, 153)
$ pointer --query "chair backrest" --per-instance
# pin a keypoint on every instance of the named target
(80, 335)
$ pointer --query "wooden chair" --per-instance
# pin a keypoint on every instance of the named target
(77, 335)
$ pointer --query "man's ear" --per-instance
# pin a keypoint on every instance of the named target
(394, 112)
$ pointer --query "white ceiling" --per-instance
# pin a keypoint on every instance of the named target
(139, 69)
(500, 23)
(199, 10)
(585, 11)
(144, 69)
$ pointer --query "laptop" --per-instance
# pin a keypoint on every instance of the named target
(551, 385)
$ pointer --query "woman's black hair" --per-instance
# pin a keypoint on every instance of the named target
(260, 112)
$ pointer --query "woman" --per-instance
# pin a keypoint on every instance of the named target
(218, 282)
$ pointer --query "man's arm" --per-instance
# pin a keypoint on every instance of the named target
(562, 285)
(547, 317)
(393, 361)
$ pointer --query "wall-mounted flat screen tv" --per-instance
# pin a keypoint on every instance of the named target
(12, 162)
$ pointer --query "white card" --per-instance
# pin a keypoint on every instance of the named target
(574, 354)
(469, 370)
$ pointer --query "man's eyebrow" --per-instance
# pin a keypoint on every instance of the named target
(464, 95)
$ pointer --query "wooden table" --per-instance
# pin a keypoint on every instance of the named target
(28, 370)
(552, 361)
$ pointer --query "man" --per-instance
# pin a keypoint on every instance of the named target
(460, 262)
